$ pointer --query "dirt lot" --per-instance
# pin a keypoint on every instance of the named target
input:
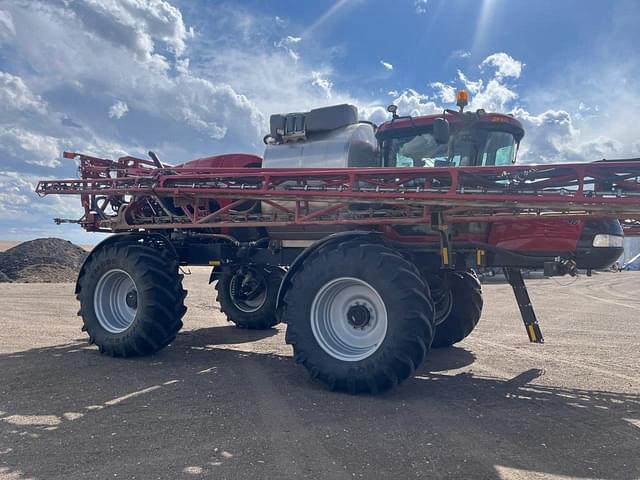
(228, 403)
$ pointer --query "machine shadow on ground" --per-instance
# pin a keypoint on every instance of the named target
(200, 408)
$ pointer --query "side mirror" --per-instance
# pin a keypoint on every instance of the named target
(441, 131)
(393, 110)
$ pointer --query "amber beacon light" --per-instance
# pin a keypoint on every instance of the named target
(462, 99)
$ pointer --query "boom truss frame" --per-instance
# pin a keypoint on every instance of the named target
(129, 194)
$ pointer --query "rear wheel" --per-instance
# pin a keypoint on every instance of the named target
(131, 299)
(461, 309)
(359, 316)
(248, 295)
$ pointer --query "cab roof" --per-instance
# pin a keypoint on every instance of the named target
(454, 118)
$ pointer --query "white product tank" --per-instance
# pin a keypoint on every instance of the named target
(329, 137)
(350, 146)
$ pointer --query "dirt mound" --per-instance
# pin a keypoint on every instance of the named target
(50, 260)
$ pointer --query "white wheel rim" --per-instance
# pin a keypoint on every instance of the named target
(115, 301)
(349, 319)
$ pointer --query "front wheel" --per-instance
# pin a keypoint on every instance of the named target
(131, 299)
(359, 316)
(248, 295)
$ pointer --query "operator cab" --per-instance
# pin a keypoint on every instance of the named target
(450, 139)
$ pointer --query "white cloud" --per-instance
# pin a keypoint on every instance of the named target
(33, 148)
(386, 65)
(19, 202)
(412, 103)
(446, 93)
(587, 112)
(15, 96)
(409, 102)
(134, 24)
(134, 38)
(548, 134)
(600, 147)
(14, 194)
(324, 84)
(118, 110)
(461, 54)
(31, 133)
(209, 128)
(552, 137)
(494, 97)
(373, 113)
(472, 86)
(203, 103)
(420, 6)
(505, 65)
(287, 45)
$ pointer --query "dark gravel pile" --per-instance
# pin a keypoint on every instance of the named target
(49, 260)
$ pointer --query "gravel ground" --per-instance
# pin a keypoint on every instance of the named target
(227, 403)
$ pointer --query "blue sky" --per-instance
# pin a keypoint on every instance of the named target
(189, 78)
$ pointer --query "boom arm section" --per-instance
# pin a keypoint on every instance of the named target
(129, 195)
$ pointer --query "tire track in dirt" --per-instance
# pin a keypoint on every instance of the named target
(296, 452)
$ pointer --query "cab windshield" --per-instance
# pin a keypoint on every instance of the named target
(465, 148)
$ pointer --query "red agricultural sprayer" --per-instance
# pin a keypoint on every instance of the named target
(363, 239)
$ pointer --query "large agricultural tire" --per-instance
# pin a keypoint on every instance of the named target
(359, 316)
(248, 296)
(465, 310)
(131, 299)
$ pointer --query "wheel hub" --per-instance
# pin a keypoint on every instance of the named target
(358, 316)
(132, 299)
(248, 290)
